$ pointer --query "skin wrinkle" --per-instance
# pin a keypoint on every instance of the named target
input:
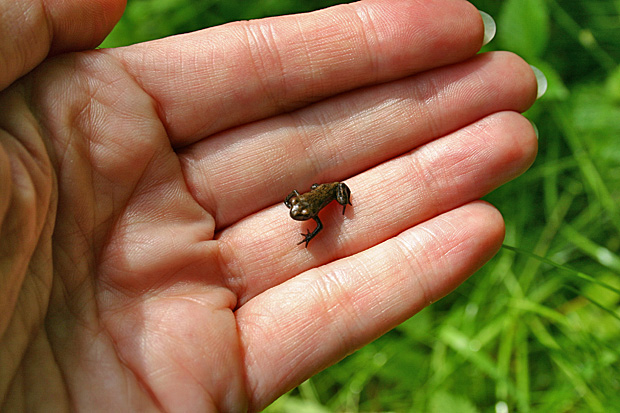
(307, 144)
(239, 43)
(18, 53)
(69, 146)
(482, 132)
(209, 204)
(36, 289)
(441, 163)
(424, 96)
(453, 160)
(118, 61)
(318, 285)
(325, 38)
(456, 249)
(317, 145)
(411, 256)
(92, 157)
(128, 369)
(31, 157)
(86, 156)
(335, 283)
(259, 48)
(270, 36)
(242, 350)
(157, 352)
(350, 304)
(76, 306)
(367, 25)
(474, 160)
(40, 279)
(307, 56)
(233, 274)
(24, 187)
(420, 166)
(251, 357)
(337, 154)
(321, 135)
(325, 285)
(61, 254)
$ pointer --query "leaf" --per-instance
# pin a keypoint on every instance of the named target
(523, 27)
(445, 402)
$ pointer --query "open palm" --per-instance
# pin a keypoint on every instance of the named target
(149, 261)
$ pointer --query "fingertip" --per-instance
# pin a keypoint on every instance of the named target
(493, 221)
(492, 229)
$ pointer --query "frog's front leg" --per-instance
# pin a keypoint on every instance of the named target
(310, 235)
(293, 194)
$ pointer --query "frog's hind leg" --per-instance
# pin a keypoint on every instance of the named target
(309, 235)
(343, 196)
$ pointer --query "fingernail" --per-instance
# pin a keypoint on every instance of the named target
(541, 80)
(489, 27)
(535, 128)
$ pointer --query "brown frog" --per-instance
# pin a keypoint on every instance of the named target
(308, 205)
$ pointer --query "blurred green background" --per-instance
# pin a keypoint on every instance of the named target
(538, 328)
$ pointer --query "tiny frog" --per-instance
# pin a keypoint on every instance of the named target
(308, 205)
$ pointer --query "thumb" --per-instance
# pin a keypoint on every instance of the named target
(30, 30)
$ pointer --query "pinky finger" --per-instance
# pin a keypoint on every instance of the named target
(313, 320)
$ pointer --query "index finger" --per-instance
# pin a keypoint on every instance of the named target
(215, 79)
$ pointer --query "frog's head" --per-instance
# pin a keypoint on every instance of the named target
(299, 212)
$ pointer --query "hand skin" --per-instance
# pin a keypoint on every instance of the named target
(148, 261)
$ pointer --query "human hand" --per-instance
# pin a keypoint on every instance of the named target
(149, 261)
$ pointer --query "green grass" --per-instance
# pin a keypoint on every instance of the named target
(538, 328)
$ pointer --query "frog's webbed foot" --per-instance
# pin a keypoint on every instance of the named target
(307, 238)
(309, 235)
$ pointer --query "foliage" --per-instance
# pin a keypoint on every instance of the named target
(537, 329)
